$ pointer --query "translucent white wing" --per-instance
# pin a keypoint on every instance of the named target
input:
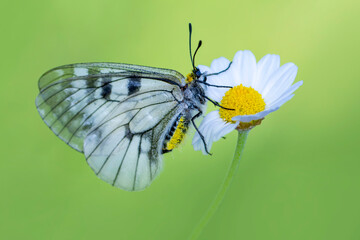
(116, 101)
(74, 98)
(125, 149)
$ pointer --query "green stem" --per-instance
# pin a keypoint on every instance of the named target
(225, 186)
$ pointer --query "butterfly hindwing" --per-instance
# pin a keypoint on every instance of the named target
(124, 149)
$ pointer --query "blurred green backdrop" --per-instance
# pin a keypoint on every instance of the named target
(299, 176)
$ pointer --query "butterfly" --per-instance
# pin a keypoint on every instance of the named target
(123, 117)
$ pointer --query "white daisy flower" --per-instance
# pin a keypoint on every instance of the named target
(257, 90)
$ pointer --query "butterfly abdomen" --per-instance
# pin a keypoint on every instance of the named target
(176, 134)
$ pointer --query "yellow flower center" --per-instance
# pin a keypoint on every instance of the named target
(244, 101)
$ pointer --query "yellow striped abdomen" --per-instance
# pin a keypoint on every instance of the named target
(175, 135)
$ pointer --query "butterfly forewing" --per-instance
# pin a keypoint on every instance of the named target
(119, 110)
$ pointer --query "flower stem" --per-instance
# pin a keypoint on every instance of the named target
(242, 135)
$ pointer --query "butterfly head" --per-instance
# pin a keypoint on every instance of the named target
(194, 75)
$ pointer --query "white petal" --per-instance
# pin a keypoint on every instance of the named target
(280, 73)
(225, 78)
(222, 79)
(249, 118)
(212, 128)
(280, 81)
(265, 67)
(215, 93)
(204, 69)
(288, 92)
(282, 100)
(244, 68)
(219, 64)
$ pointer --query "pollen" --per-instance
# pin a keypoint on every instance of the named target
(243, 100)
(189, 78)
(178, 136)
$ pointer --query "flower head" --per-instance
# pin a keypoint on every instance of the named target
(257, 89)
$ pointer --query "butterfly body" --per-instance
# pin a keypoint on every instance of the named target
(121, 116)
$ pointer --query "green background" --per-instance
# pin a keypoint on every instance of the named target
(299, 176)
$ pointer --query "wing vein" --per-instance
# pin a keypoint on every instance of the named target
(152, 134)
(69, 107)
(72, 118)
(52, 95)
(137, 162)
(111, 133)
(107, 158)
(122, 161)
(86, 120)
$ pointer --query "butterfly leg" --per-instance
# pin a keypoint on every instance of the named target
(212, 85)
(211, 74)
(197, 130)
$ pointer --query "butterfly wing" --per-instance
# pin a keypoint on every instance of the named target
(114, 113)
(124, 150)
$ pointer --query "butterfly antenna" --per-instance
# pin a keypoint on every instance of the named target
(199, 45)
(190, 32)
